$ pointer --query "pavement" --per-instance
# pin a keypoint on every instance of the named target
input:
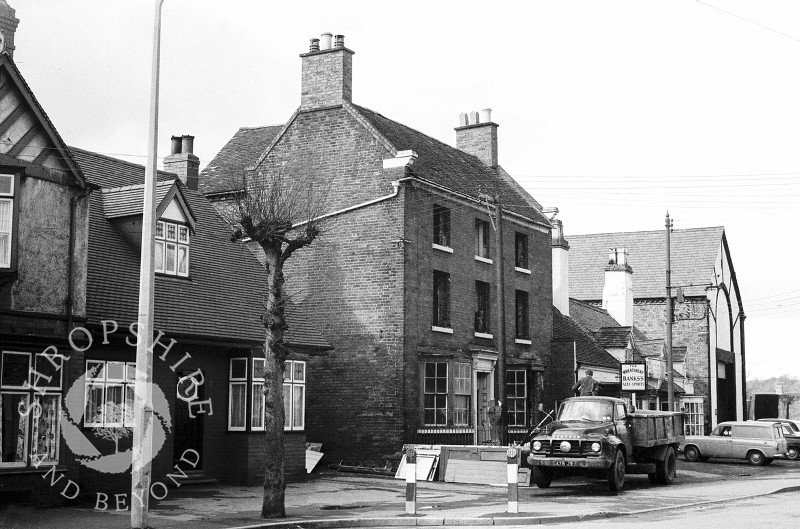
(331, 500)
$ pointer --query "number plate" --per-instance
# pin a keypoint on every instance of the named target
(565, 463)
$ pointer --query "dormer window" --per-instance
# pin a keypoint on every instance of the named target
(172, 249)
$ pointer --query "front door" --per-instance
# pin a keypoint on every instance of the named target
(486, 431)
(188, 431)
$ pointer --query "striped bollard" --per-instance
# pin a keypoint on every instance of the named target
(411, 481)
(513, 492)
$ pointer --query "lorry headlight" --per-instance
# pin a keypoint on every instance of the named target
(565, 446)
(537, 445)
(595, 447)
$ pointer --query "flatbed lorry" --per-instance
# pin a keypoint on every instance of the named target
(602, 437)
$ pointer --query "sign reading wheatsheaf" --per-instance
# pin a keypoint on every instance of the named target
(634, 377)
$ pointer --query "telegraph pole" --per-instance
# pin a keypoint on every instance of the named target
(143, 400)
(670, 393)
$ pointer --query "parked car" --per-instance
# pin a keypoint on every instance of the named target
(791, 430)
(757, 442)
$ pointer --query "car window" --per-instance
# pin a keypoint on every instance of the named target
(787, 430)
(753, 432)
(620, 411)
(778, 432)
(724, 431)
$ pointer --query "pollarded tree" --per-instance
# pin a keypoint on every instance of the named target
(280, 214)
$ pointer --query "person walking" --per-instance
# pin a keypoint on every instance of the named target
(586, 386)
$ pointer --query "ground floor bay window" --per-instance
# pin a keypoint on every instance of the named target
(30, 407)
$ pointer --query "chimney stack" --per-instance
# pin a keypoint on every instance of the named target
(327, 73)
(182, 160)
(560, 251)
(477, 135)
(8, 26)
(618, 287)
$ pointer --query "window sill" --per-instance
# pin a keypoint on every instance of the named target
(522, 341)
(445, 330)
(441, 248)
(484, 335)
(483, 259)
(522, 270)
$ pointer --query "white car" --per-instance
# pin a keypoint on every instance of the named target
(757, 442)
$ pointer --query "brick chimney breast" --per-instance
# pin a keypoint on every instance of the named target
(182, 160)
(8, 26)
(327, 74)
(477, 135)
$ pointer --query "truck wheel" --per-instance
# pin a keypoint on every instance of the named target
(793, 452)
(665, 470)
(542, 477)
(754, 457)
(616, 472)
(691, 454)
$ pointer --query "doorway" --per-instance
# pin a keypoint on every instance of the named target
(188, 432)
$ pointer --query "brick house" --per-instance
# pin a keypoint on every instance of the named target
(70, 236)
(404, 281)
(708, 326)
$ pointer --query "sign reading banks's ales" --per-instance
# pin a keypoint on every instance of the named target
(633, 377)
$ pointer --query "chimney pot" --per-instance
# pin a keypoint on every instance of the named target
(175, 146)
(187, 145)
(473, 118)
(314, 45)
(486, 115)
(463, 121)
(326, 41)
(339, 41)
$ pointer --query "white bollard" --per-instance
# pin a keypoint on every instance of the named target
(411, 481)
(513, 486)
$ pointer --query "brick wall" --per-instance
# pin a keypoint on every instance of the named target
(464, 270)
(650, 317)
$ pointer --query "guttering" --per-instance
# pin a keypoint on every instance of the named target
(472, 200)
(396, 184)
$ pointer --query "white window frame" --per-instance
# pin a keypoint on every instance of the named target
(104, 381)
(9, 199)
(28, 426)
(173, 244)
(462, 387)
(524, 397)
(257, 394)
(237, 382)
(693, 407)
(295, 384)
(31, 392)
(25, 385)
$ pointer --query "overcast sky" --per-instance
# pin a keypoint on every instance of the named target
(612, 111)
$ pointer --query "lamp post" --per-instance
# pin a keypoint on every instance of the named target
(143, 401)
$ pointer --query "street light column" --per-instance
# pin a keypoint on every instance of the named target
(143, 402)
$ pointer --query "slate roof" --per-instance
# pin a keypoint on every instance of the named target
(225, 171)
(651, 348)
(438, 163)
(222, 298)
(587, 351)
(693, 254)
(591, 317)
(614, 337)
(127, 201)
(452, 168)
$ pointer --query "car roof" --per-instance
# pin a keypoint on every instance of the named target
(763, 424)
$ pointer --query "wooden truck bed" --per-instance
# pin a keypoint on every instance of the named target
(654, 428)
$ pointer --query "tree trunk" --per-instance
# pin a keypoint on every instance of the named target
(275, 324)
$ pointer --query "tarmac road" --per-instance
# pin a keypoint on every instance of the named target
(360, 500)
